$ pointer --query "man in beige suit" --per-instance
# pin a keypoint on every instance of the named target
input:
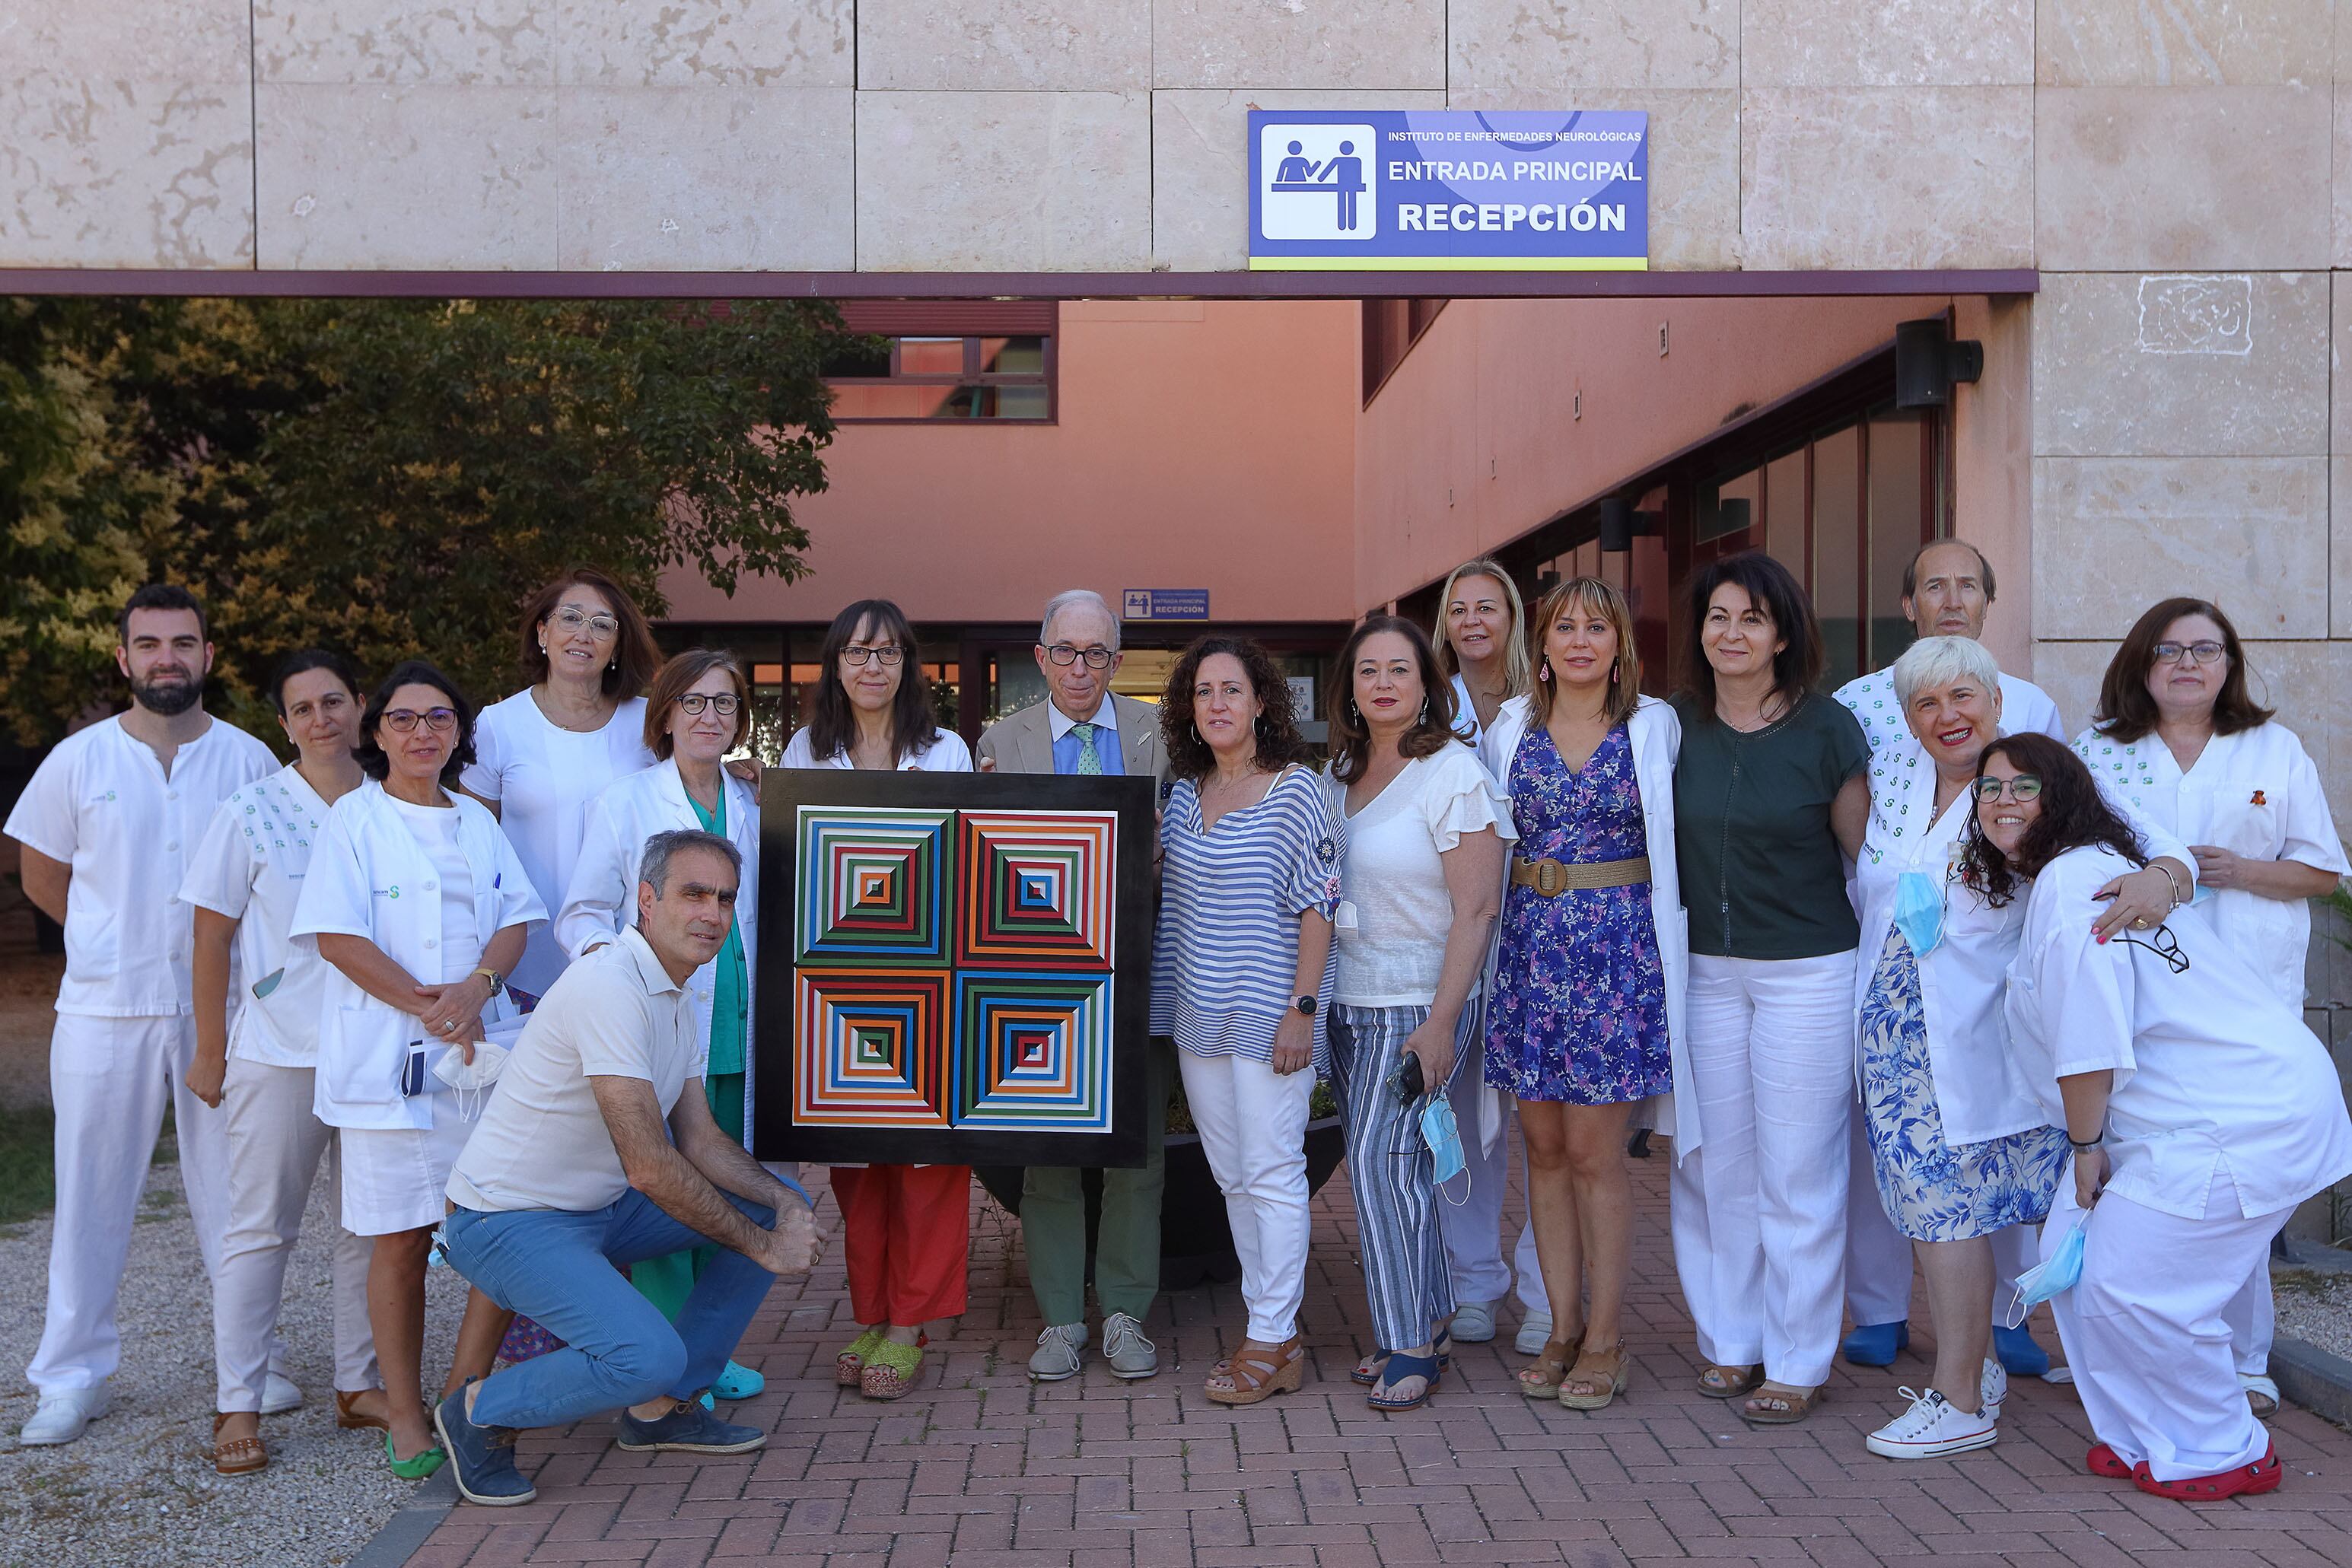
(1082, 728)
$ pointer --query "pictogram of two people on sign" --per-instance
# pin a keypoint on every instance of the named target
(1342, 176)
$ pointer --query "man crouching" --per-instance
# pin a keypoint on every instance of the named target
(598, 1150)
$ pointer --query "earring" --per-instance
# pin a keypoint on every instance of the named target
(1612, 672)
(1424, 711)
(1543, 671)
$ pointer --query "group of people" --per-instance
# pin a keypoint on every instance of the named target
(1896, 969)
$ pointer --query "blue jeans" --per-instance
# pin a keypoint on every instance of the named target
(559, 1269)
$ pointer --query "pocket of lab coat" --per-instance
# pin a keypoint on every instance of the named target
(360, 1055)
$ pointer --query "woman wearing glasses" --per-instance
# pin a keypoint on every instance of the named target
(2177, 735)
(544, 753)
(419, 905)
(696, 711)
(906, 1229)
(2199, 1111)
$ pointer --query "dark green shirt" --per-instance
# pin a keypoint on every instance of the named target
(1760, 869)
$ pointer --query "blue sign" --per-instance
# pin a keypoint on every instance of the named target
(1164, 605)
(1411, 190)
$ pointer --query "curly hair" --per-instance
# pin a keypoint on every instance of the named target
(1351, 737)
(2127, 713)
(2073, 813)
(1279, 744)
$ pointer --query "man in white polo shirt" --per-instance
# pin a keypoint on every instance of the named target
(108, 824)
(598, 1149)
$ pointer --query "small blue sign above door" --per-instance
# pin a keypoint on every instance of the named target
(1164, 605)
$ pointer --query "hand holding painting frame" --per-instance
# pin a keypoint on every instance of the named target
(961, 969)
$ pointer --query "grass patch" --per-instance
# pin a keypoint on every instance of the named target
(28, 1174)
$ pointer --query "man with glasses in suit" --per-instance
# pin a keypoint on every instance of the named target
(1084, 729)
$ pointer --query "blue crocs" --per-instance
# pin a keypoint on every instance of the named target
(736, 1380)
(1877, 1345)
(689, 1428)
(481, 1458)
(2019, 1354)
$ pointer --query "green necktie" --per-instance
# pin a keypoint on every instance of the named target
(1089, 760)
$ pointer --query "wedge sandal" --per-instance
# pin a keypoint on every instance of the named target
(849, 1366)
(1721, 1381)
(1596, 1380)
(1258, 1372)
(1796, 1403)
(891, 1369)
(1401, 1369)
(1540, 1379)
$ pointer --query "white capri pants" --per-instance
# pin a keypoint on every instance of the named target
(2146, 1329)
(1252, 1125)
(274, 1145)
(1760, 1208)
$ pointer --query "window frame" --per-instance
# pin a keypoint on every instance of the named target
(972, 321)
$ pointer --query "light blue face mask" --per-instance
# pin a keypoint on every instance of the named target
(2052, 1276)
(1444, 1140)
(1919, 911)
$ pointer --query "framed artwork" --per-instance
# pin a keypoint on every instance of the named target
(954, 968)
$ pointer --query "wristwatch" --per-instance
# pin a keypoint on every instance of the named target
(1305, 1005)
(498, 981)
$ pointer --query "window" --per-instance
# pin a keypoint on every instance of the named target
(1392, 326)
(925, 362)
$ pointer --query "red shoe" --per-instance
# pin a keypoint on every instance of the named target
(2247, 1480)
(2103, 1460)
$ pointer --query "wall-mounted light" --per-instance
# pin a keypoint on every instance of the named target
(1929, 363)
(1620, 524)
(1731, 516)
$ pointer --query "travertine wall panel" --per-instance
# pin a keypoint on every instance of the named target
(1017, 181)
(1887, 177)
(922, 45)
(1550, 53)
(1298, 43)
(2147, 179)
(494, 43)
(2339, 556)
(2183, 43)
(2113, 535)
(707, 43)
(1887, 43)
(126, 172)
(2209, 363)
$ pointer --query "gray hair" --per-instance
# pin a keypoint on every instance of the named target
(1074, 598)
(1934, 662)
(659, 849)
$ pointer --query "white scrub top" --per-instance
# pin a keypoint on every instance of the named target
(946, 754)
(1899, 764)
(371, 876)
(2214, 1075)
(2255, 793)
(250, 868)
(101, 803)
(543, 778)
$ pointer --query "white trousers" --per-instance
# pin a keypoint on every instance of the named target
(109, 1080)
(274, 1145)
(1473, 1231)
(2145, 1331)
(2253, 1318)
(1252, 1125)
(1760, 1208)
(1878, 1255)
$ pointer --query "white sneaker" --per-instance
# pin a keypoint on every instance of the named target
(279, 1394)
(60, 1417)
(1932, 1428)
(1057, 1355)
(1474, 1323)
(1993, 1387)
(1535, 1332)
(1129, 1354)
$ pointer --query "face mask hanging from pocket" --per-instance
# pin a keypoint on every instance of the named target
(2054, 1275)
(473, 1079)
(1919, 911)
(1444, 1140)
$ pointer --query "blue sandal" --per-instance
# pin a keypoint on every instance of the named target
(1368, 1371)
(1396, 1370)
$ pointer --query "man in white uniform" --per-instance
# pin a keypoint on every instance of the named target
(108, 824)
(1946, 590)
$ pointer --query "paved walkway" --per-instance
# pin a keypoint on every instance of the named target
(979, 1469)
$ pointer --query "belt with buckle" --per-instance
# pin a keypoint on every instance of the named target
(1550, 878)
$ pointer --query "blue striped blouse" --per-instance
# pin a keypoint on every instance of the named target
(1226, 951)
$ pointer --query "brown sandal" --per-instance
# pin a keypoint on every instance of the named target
(238, 1456)
(1721, 1381)
(349, 1416)
(1597, 1378)
(1796, 1403)
(1258, 1372)
(1540, 1379)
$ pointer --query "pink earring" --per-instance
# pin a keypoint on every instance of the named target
(1543, 672)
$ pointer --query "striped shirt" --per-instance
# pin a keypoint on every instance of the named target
(1226, 951)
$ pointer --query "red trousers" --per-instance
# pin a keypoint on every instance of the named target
(905, 1238)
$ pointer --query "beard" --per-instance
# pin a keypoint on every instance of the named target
(168, 695)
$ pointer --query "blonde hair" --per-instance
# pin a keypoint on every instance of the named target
(1594, 595)
(1519, 670)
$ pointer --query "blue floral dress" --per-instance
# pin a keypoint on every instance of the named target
(1932, 1191)
(1578, 1010)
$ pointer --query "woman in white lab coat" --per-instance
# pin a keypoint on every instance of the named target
(1960, 1148)
(418, 903)
(906, 1229)
(2199, 1110)
(2179, 737)
(698, 710)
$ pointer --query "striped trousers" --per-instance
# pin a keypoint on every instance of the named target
(1390, 1169)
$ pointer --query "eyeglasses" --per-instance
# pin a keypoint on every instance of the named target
(402, 720)
(1096, 658)
(888, 657)
(2164, 945)
(724, 704)
(574, 618)
(2023, 788)
(2193, 653)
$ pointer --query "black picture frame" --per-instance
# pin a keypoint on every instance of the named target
(776, 1136)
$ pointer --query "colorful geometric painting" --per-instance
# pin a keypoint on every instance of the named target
(968, 958)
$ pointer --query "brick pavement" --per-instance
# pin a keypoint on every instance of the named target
(983, 1470)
